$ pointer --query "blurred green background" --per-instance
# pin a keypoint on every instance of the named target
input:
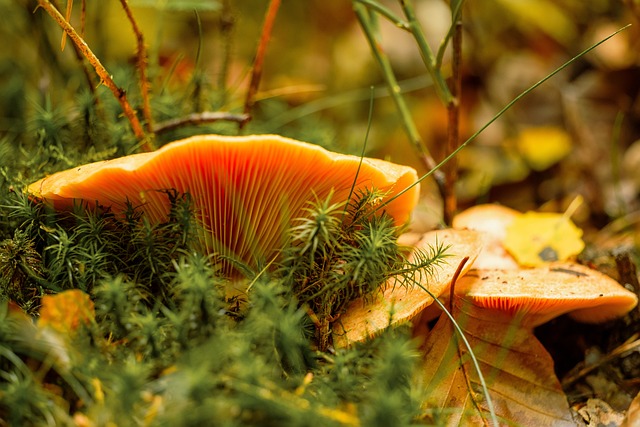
(575, 135)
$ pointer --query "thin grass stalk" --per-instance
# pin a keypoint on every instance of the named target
(102, 72)
(364, 148)
(63, 42)
(141, 62)
(227, 24)
(392, 17)
(78, 54)
(453, 127)
(425, 52)
(394, 90)
(198, 119)
(256, 73)
(498, 115)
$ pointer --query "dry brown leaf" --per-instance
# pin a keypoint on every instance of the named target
(596, 413)
(517, 369)
(396, 305)
(633, 414)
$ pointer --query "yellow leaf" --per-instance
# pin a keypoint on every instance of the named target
(535, 238)
(544, 15)
(66, 311)
(542, 147)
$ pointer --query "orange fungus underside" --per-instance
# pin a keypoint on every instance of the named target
(540, 294)
(245, 190)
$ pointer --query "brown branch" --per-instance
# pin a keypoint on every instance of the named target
(105, 78)
(199, 118)
(83, 17)
(63, 42)
(141, 59)
(256, 74)
(453, 138)
(227, 24)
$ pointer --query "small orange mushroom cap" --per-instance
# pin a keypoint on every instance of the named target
(492, 220)
(245, 190)
(399, 304)
(539, 294)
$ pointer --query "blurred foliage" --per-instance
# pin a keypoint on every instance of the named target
(317, 88)
(168, 345)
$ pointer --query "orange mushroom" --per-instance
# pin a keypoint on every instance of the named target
(537, 295)
(245, 190)
(400, 304)
(497, 305)
(492, 220)
(497, 310)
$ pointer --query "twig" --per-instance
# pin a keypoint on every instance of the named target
(63, 42)
(454, 279)
(141, 59)
(617, 352)
(83, 17)
(227, 24)
(394, 91)
(199, 118)
(387, 13)
(256, 73)
(453, 113)
(106, 79)
(455, 17)
(499, 114)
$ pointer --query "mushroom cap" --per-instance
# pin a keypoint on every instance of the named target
(539, 294)
(492, 220)
(489, 218)
(399, 304)
(245, 190)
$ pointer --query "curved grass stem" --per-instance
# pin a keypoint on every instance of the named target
(394, 90)
(500, 113)
(141, 59)
(256, 73)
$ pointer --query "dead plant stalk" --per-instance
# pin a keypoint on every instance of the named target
(102, 72)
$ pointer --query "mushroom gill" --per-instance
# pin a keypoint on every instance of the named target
(245, 190)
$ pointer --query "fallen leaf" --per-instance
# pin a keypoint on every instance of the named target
(66, 311)
(517, 369)
(535, 238)
(597, 413)
(543, 15)
(544, 146)
(633, 414)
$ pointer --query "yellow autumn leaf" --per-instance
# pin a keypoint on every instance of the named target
(535, 238)
(545, 16)
(66, 311)
(542, 147)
